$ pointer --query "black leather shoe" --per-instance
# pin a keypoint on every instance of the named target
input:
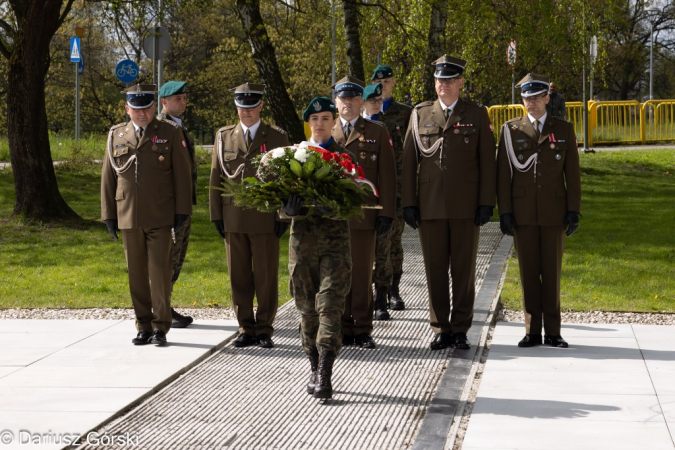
(460, 341)
(178, 320)
(555, 341)
(244, 340)
(158, 338)
(530, 340)
(142, 338)
(381, 301)
(364, 340)
(347, 340)
(441, 341)
(264, 341)
(396, 303)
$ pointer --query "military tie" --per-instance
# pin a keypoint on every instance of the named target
(536, 129)
(140, 134)
(248, 139)
(447, 113)
(349, 130)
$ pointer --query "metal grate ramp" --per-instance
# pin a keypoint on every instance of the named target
(254, 398)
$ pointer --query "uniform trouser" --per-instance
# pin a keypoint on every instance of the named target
(320, 267)
(358, 315)
(389, 254)
(179, 249)
(148, 253)
(253, 263)
(453, 244)
(540, 252)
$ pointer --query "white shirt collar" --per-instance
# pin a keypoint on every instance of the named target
(446, 107)
(178, 120)
(136, 128)
(253, 129)
(353, 122)
(541, 120)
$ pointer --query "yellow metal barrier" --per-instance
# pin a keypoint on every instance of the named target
(499, 114)
(609, 122)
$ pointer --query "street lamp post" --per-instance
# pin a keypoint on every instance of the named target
(651, 14)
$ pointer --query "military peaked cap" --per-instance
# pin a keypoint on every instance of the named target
(349, 86)
(533, 84)
(248, 95)
(140, 96)
(448, 67)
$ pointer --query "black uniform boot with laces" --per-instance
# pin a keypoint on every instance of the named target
(314, 362)
(324, 388)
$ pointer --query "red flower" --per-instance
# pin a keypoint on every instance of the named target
(346, 156)
(326, 156)
(347, 165)
(360, 171)
(336, 157)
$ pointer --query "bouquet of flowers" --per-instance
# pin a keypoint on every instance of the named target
(323, 179)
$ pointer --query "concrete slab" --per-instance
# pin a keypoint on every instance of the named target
(22, 356)
(572, 330)
(67, 399)
(564, 434)
(668, 406)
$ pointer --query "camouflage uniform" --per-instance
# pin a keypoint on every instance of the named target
(179, 249)
(320, 267)
(388, 248)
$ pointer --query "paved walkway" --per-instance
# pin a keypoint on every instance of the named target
(614, 388)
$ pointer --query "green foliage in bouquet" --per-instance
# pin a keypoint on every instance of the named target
(323, 179)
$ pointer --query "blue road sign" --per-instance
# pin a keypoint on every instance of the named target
(75, 49)
(80, 65)
(126, 71)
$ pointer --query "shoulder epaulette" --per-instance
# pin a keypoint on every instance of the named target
(278, 129)
(229, 127)
(427, 103)
(515, 119)
(376, 122)
(114, 127)
(168, 122)
(469, 102)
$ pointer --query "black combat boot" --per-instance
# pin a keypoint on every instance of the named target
(314, 362)
(381, 312)
(324, 388)
(395, 300)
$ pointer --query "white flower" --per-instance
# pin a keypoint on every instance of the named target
(301, 154)
(278, 153)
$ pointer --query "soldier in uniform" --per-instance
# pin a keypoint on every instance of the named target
(450, 141)
(145, 192)
(539, 196)
(251, 237)
(389, 249)
(174, 100)
(319, 263)
(371, 144)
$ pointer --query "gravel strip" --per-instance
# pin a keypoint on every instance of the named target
(598, 317)
(107, 313)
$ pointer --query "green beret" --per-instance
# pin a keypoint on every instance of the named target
(382, 71)
(317, 105)
(372, 90)
(172, 88)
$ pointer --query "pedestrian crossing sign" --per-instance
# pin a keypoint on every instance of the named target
(74, 49)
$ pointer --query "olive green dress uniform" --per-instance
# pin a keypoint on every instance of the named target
(369, 141)
(539, 199)
(250, 242)
(389, 248)
(144, 200)
(183, 235)
(451, 185)
(320, 268)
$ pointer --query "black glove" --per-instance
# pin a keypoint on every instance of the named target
(411, 215)
(507, 223)
(280, 228)
(483, 215)
(383, 225)
(112, 228)
(571, 223)
(179, 220)
(220, 227)
(292, 206)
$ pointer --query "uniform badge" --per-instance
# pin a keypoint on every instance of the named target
(520, 157)
(183, 143)
(361, 145)
(263, 148)
(362, 155)
(466, 139)
(317, 106)
(552, 146)
(391, 143)
(115, 153)
(456, 131)
(380, 74)
(121, 135)
(557, 156)
(154, 147)
(492, 130)
(373, 156)
(161, 158)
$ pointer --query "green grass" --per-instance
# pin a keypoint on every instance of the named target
(623, 256)
(47, 267)
(65, 147)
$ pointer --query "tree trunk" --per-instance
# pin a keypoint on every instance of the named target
(353, 41)
(281, 105)
(436, 39)
(37, 192)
